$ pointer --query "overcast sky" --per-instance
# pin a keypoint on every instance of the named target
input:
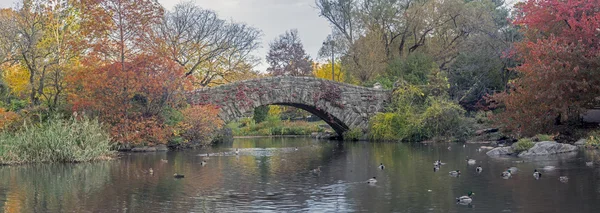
(272, 17)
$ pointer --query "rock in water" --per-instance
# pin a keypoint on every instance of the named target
(548, 148)
(500, 151)
(580, 142)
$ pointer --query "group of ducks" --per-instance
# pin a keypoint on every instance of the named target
(203, 163)
(467, 199)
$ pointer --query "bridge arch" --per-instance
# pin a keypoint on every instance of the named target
(342, 106)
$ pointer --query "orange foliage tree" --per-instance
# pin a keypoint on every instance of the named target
(560, 66)
(153, 84)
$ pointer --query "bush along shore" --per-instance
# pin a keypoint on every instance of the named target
(76, 139)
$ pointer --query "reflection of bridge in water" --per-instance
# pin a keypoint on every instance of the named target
(342, 106)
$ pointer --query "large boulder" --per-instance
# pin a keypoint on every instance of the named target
(580, 142)
(548, 148)
(500, 151)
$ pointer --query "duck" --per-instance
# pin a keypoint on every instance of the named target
(470, 161)
(381, 166)
(454, 173)
(164, 161)
(478, 149)
(203, 163)
(317, 170)
(372, 180)
(436, 168)
(536, 174)
(178, 175)
(296, 149)
(449, 148)
(237, 151)
(506, 174)
(464, 145)
(591, 163)
(465, 198)
(563, 179)
(478, 169)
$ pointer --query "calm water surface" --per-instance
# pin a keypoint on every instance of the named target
(269, 175)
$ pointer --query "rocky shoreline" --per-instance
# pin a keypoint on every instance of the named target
(539, 149)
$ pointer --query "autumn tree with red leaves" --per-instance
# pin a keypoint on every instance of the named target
(560, 66)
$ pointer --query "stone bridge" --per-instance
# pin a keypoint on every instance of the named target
(342, 106)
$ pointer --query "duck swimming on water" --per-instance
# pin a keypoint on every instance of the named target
(466, 199)
(470, 161)
(479, 169)
(178, 175)
(506, 174)
(536, 174)
(372, 180)
(381, 166)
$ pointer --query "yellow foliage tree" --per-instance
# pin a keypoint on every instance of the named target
(17, 78)
(275, 110)
(324, 71)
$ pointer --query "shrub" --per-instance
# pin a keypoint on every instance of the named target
(544, 137)
(381, 127)
(443, 119)
(7, 119)
(77, 139)
(593, 140)
(353, 134)
(200, 124)
(523, 144)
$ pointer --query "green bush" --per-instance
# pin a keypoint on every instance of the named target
(260, 113)
(353, 134)
(593, 140)
(443, 119)
(56, 140)
(382, 127)
(523, 144)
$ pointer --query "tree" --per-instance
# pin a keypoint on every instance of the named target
(119, 30)
(287, 56)
(559, 65)
(324, 71)
(211, 49)
(481, 67)
(376, 32)
(156, 86)
(260, 113)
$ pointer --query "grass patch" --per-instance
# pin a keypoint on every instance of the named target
(56, 140)
(523, 144)
(544, 137)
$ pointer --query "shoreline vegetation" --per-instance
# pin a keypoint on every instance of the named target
(74, 140)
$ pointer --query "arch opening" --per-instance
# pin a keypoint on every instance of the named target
(335, 123)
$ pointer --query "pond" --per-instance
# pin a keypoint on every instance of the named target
(270, 175)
